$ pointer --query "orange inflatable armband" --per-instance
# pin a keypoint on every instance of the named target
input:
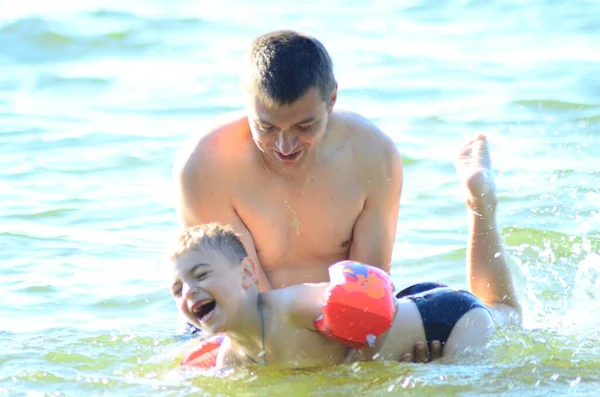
(360, 305)
(204, 356)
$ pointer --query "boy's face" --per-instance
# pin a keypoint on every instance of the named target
(209, 289)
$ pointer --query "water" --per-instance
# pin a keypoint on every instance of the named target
(96, 97)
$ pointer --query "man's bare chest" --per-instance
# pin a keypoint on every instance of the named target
(311, 220)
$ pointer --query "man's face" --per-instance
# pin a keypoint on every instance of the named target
(288, 134)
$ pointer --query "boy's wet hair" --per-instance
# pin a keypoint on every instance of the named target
(285, 64)
(214, 237)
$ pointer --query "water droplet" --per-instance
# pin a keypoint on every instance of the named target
(574, 381)
(371, 340)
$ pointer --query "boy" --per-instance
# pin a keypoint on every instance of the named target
(215, 286)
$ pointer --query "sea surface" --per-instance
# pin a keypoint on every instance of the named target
(96, 97)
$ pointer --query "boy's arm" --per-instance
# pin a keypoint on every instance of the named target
(356, 304)
(303, 303)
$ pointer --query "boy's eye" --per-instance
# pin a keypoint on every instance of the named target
(176, 291)
(201, 276)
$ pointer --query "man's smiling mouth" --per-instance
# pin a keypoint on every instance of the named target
(289, 157)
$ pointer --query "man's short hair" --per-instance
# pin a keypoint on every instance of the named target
(285, 64)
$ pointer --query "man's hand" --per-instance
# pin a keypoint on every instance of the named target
(421, 353)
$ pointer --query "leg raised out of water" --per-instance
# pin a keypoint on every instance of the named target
(488, 273)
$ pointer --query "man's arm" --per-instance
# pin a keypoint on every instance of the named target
(203, 196)
(375, 229)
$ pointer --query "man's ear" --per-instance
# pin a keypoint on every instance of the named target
(332, 100)
(249, 277)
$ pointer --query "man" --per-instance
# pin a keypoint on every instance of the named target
(305, 186)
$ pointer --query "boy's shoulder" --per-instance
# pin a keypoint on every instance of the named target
(299, 305)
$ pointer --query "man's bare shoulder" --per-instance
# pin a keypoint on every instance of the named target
(367, 140)
(212, 146)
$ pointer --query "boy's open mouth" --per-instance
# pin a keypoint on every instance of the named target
(204, 309)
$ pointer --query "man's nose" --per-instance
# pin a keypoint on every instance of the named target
(286, 143)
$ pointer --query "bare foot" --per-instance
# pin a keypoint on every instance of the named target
(474, 169)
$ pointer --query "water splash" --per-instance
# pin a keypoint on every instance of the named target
(584, 313)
